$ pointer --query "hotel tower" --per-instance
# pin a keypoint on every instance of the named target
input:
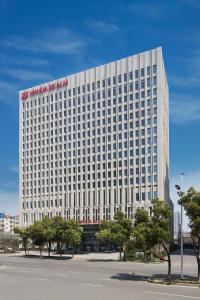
(96, 141)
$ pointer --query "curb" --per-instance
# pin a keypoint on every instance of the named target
(174, 282)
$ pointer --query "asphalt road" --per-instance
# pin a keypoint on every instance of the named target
(52, 279)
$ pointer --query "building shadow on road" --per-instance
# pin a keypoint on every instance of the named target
(130, 277)
(155, 277)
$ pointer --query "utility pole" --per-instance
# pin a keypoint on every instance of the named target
(182, 176)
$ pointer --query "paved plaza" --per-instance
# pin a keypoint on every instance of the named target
(89, 277)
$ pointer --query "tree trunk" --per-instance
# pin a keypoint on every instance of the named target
(120, 253)
(124, 255)
(124, 252)
(198, 272)
(61, 245)
(49, 249)
(168, 262)
(197, 254)
(198, 260)
(40, 251)
(145, 255)
(169, 267)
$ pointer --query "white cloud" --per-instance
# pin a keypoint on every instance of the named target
(185, 81)
(153, 9)
(31, 61)
(25, 75)
(14, 169)
(103, 26)
(58, 41)
(8, 91)
(22, 60)
(184, 108)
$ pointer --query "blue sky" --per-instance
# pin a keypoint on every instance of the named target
(44, 40)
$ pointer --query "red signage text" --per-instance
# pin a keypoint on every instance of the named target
(43, 89)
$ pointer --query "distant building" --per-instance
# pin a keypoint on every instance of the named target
(177, 223)
(8, 223)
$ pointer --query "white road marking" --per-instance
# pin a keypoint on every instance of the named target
(115, 267)
(173, 295)
(20, 261)
(61, 275)
(106, 279)
(43, 279)
(75, 272)
(92, 285)
(23, 271)
(182, 286)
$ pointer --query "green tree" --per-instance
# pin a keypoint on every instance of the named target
(191, 204)
(9, 241)
(59, 225)
(151, 231)
(160, 229)
(141, 232)
(73, 233)
(117, 231)
(25, 237)
(37, 235)
(49, 232)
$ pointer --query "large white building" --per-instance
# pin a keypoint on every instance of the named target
(95, 141)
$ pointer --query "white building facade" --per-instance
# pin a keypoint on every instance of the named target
(8, 223)
(95, 142)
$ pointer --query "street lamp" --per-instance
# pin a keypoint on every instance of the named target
(179, 189)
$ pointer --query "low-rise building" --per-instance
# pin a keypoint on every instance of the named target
(8, 223)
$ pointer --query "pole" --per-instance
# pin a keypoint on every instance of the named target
(182, 175)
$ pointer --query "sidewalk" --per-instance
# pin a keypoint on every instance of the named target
(84, 256)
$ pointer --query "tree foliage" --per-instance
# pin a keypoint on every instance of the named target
(37, 235)
(117, 231)
(151, 231)
(191, 204)
(24, 234)
(48, 231)
(8, 241)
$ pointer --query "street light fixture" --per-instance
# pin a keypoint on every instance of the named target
(179, 189)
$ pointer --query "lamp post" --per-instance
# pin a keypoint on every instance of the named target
(180, 189)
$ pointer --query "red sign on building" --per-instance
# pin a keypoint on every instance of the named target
(84, 222)
(43, 89)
